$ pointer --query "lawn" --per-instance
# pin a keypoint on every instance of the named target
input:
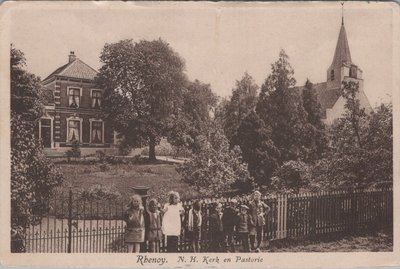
(161, 177)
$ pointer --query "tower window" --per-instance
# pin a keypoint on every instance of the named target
(332, 75)
(353, 71)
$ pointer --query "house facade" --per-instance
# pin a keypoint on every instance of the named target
(341, 69)
(75, 113)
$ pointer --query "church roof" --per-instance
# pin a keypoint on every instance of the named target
(326, 97)
(342, 51)
(74, 69)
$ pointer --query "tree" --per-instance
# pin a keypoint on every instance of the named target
(362, 153)
(242, 102)
(33, 177)
(25, 88)
(291, 177)
(192, 119)
(350, 127)
(281, 108)
(143, 84)
(216, 169)
(316, 136)
(258, 150)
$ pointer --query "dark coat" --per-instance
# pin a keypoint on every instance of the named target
(216, 225)
(229, 219)
(244, 222)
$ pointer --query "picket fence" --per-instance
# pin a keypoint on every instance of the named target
(76, 225)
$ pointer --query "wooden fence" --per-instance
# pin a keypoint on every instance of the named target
(80, 226)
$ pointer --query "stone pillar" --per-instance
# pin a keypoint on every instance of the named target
(143, 192)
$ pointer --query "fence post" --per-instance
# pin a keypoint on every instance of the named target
(69, 221)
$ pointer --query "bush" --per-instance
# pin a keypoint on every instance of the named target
(100, 155)
(291, 176)
(33, 178)
(104, 167)
(217, 169)
(123, 148)
(75, 150)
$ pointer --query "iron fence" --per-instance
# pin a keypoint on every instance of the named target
(76, 225)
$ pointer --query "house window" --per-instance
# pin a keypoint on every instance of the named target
(74, 97)
(74, 130)
(97, 132)
(96, 99)
(332, 75)
(46, 132)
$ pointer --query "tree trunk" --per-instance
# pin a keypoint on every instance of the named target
(152, 149)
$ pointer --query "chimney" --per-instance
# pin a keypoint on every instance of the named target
(72, 57)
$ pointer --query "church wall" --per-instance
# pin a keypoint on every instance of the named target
(336, 111)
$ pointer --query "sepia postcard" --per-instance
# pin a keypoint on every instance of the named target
(199, 134)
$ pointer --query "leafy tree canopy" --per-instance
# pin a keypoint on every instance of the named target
(362, 153)
(25, 88)
(195, 114)
(281, 108)
(242, 102)
(257, 147)
(33, 177)
(144, 84)
(216, 169)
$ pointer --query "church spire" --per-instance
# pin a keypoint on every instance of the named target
(342, 51)
(342, 13)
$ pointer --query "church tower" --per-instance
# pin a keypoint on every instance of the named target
(342, 67)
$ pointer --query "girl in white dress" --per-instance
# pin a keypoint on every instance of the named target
(171, 225)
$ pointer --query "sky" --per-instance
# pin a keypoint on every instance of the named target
(218, 41)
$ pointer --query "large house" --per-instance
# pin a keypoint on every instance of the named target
(75, 110)
(341, 69)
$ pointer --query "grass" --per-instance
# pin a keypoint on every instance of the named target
(160, 177)
(372, 242)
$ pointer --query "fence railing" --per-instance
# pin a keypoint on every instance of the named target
(80, 225)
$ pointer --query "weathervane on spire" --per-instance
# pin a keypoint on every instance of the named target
(342, 3)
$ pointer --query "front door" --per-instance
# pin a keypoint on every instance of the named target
(45, 132)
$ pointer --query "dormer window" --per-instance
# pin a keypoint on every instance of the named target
(96, 99)
(74, 97)
(332, 75)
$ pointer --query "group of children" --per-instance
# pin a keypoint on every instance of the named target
(246, 222)
(153, 224)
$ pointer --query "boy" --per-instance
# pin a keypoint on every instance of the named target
(257, 211)
(244, 221)
(194, 226)
(229, 222)
(217, 234)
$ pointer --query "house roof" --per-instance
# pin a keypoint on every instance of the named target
(326, 97)
(74, 69)
(342, 51)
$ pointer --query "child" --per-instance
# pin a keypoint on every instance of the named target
(194, 225)
(228, 220)
(217, 242)
(257, 210)
(171, 225)
(134, 233)
(244, 221)
(153, 230)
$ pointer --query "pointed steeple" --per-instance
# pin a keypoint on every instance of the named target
(342, 52)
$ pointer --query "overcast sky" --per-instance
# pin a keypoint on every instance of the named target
(218, 42)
